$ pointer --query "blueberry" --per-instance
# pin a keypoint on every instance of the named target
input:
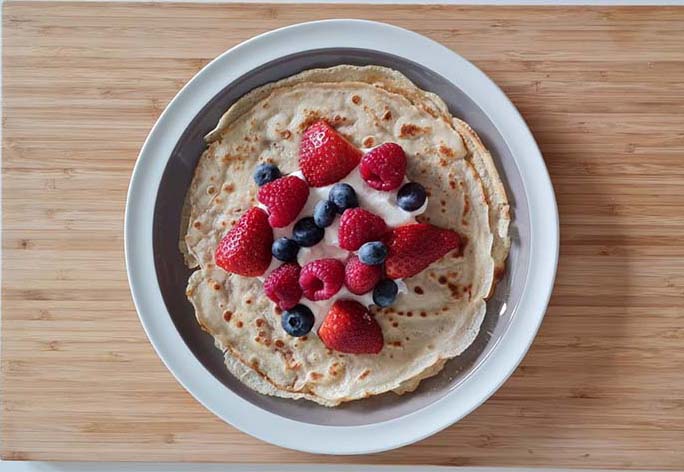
(266, 173)
(297, 321)
(373, 253)
(306, 233)
(385, 292)
(343, 196)
(411, 196)
(284, 249)
(324, 213)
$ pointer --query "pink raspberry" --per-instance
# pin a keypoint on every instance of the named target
(321, 279)
(359, 277)
(282, 286)
(359, 226)
(383, 167)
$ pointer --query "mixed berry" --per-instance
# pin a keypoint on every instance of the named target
(378, 254)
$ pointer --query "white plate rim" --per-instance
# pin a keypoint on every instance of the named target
(147, 297)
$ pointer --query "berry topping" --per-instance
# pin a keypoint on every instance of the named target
(324, 213)
(343, 196)
(358, 226)
(325, 156)
(411, 196)
(284, 198)
(321, 279)
(360, 278)
(246, 248)
(284, 249)
(266, 173)
(349, 328)
(413, 247)
(282, 286)
(306, 233)
(373, 253)
(383, 167)
(297, 321)
(385, 292)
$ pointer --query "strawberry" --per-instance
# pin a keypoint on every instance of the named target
(349, 328)
(359, 277)
(321, 279)
(284, 198)
(282, 286)
(325, 156)
(246, 248)
(358, 226)
(383, 167)
(412, 248)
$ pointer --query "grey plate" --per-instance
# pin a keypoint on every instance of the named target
(172, 273)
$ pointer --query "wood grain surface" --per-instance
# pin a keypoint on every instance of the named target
(603, 92)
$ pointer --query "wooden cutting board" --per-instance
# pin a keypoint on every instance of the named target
(602, 90)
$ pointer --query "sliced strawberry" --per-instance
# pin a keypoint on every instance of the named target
(325, 156)
(246, 248)
(412, 248)
(284, 197)
(322, 278)
(360, 278)
(383, 167)
(282, 286)
(358, 226)
(349, 328)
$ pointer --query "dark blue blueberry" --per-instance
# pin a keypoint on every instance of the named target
(306, 233)
(411, 196)
(297, 321)
(343, 196)
(373, 253)
(284, 249)
(266, 173)
(324, 213)
(385, 292)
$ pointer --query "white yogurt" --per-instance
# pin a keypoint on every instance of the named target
(383, 204)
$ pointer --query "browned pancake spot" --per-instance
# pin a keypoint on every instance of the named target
(395, 324)
(211, 189)
(409, 130)
(364, 374)
(197, 225)
(240, 324)
(259, 322)
(369, 141)
(279, 343)
(285, 134)
(387, 115)
(418, 290)
(217, 286)
(442, 280)
(315, 376)
(423, 314)
(446, 151)
(227, 315)
(356, 99)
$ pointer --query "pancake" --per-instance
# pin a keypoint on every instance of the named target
(441, 313)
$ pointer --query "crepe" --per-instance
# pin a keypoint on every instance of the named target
(442, 312)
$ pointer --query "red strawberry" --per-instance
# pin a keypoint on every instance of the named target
(358, 226)
(321, 279)
(282, 286)
(246, 249)
(359, 277)
(284, 198)
(412, 248)
(383, 167)
(324, 156)
(349, 328)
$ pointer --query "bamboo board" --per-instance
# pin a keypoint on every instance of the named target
(602, 90)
